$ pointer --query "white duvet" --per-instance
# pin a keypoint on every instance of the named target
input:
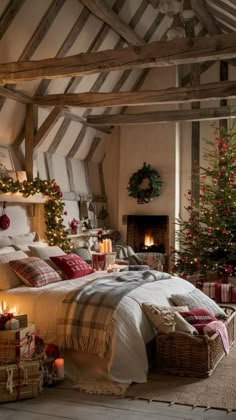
(127, 360)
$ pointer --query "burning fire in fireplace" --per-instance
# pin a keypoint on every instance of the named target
(148, 240)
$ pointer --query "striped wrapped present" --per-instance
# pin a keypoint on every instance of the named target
(209, 289)
(223, 292)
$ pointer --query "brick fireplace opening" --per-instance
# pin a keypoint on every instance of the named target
(148, 233)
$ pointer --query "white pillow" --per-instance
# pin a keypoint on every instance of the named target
(5, 241)
(24, 238)
(7, 249)
(25, 247)
(16, 255)
(196, 299)
(8, 278)
(46, 252)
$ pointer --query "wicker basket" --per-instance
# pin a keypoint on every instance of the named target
(186, 355)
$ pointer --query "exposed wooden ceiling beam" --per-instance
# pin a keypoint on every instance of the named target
(77, 118)
(47, 125)
(39, 33)
(77, 143)
(95, 143)
(206, 18)
(215, 90)
(41, 30)
(164, 116)
(16, 96)
(59, 136)
(66, 45)
(9, 14)
(94, 46)
(107, 15)
(156, 54)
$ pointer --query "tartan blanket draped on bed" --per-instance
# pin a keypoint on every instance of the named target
(88, 314)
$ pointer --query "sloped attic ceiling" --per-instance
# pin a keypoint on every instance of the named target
(72, 118)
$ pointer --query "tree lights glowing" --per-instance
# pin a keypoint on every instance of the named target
(54, 206)
(208, 238)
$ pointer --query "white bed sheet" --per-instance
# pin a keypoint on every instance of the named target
(127, 360)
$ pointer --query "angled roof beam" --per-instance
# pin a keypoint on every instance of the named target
(215, 90)
(81, 120)
(16, 96)
(164, 116)
(66, 45)
(156, 54)
(205, 17)
(47, 125)
(39, 33)
(9, 14)
(107, 15)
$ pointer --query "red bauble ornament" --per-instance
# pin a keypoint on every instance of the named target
(4, 219)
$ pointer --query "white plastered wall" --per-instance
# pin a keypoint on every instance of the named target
(131, 145)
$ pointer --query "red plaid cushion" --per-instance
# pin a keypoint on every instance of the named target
(199, 318)
(72, 265)
(34, 272)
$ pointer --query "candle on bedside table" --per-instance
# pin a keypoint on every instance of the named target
(59, 367)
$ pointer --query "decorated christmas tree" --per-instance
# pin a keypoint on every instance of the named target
(207, 237)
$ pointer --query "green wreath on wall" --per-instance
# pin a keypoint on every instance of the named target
(145, 184)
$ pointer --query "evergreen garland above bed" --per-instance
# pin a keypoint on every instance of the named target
(54, 206)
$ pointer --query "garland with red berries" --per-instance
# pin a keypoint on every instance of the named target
(145, 184)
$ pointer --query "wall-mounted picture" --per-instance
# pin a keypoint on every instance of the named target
(6, 162)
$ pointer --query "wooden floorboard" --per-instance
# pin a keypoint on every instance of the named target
(62, 402)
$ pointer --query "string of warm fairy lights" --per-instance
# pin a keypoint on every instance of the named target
(54, 206)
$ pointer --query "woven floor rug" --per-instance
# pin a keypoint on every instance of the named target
(217, 391)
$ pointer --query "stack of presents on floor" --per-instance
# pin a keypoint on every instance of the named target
(219, 291)
(26, 364)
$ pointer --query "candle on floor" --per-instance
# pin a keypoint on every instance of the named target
(59, 367)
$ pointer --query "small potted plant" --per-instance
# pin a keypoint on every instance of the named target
(73, 226)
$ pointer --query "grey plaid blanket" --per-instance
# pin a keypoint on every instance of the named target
(88, 315)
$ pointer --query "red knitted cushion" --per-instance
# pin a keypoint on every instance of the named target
(72, 265)
(199, 318)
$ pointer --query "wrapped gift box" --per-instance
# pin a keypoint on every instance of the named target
(221, 292)
(17, 344)
(20, 380)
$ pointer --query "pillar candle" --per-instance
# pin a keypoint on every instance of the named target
(59, 367)
(105, 245)
(101, 247)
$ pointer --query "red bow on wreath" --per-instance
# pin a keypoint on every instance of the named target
(4, 219)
